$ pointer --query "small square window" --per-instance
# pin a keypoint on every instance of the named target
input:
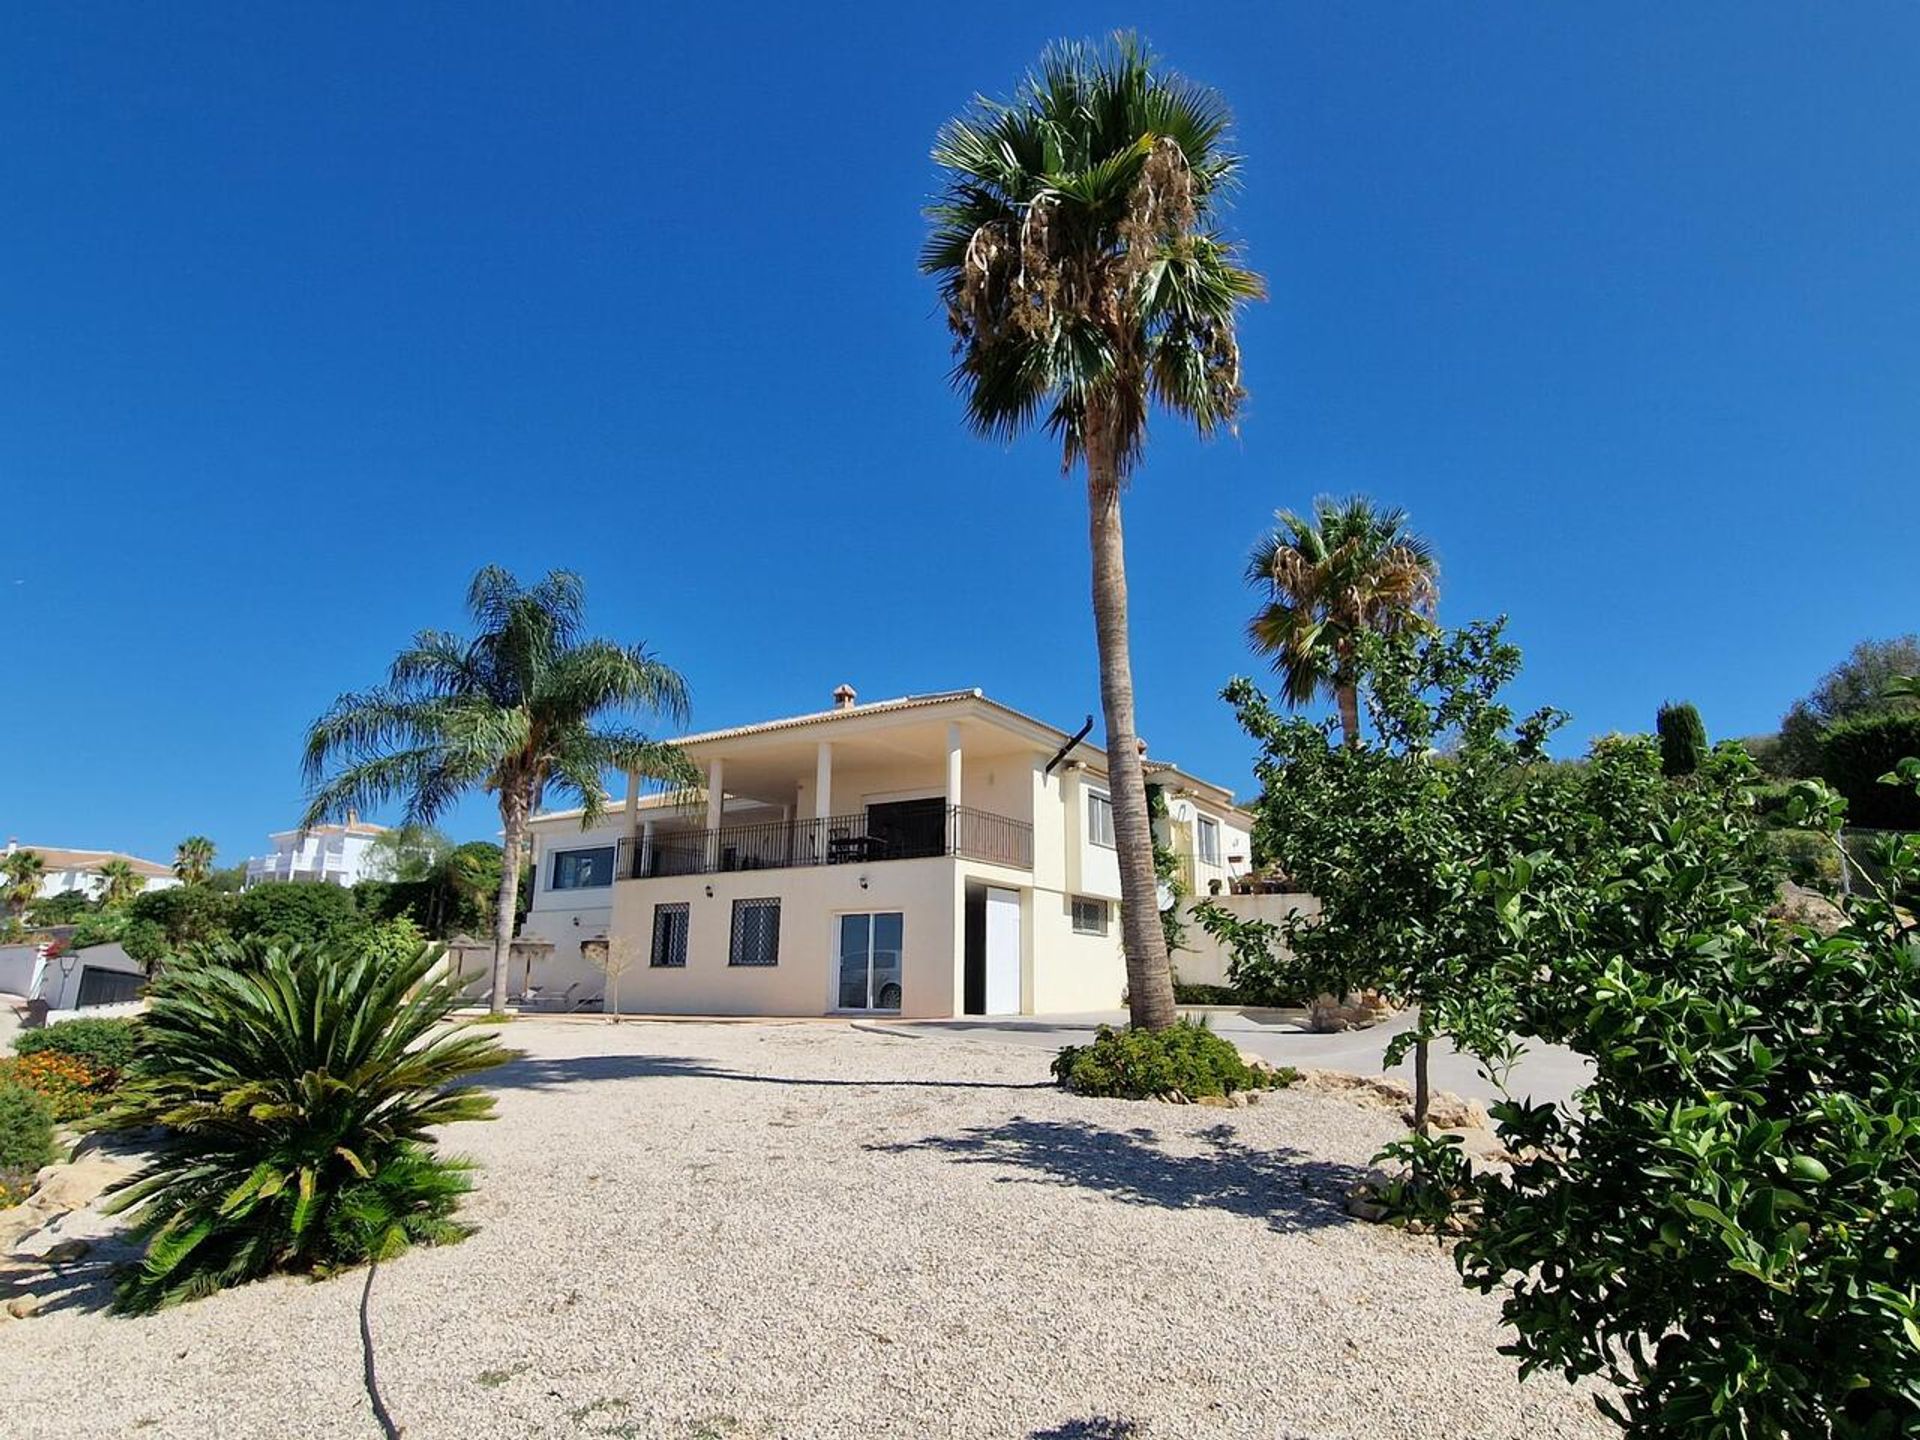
(756, 933)
(1207, 832)
(670, 925)
(1089, 915)
(1100, 818)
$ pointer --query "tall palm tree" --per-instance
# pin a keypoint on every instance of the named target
(516, 710)
(193, 860)
(22, 870)
(1077, 247)
(1329, 578)
(119, 881)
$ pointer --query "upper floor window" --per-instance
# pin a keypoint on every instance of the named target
(582, 869)
(1100, 818)
(1206, 834)
(756, 933)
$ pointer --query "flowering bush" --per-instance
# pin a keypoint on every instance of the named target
(72, 1087)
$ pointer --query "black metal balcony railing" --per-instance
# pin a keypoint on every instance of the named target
(836, 840)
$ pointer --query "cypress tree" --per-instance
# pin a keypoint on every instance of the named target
(1683, 738)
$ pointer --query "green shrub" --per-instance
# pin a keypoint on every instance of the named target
(1434, 1190)
(1855, 753)
(108, 1044)
(1683, 739)
(26, 1138)
(66, 908)
(293, 912)
(299, 1086)
(1724, 1223)
(1184, 1059)
(1192, 993)
(108, 927)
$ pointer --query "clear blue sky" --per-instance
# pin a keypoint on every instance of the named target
(307, 314)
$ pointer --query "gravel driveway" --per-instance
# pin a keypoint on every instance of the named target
(727, 1232)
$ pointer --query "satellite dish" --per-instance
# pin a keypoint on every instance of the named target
(1164, 893)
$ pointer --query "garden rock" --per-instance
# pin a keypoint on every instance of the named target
(23, 1306)
(65, 1252)
(70, 1187)
(1798, 905)
(1329, 1014)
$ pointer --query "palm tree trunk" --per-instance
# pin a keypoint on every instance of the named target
(1347, 696)
(1149, 976)
(513, 825)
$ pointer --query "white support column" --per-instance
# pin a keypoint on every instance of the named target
(716, 807)
(632, 826)
(823, 781)
(646, 850)
(953, 788)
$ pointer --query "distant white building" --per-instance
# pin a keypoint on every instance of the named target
(331, 854)
(80, 870)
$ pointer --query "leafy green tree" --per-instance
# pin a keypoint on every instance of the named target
(1331, 578)
(298, 1090)
(22, 870)
(408, 852)
(1857, 686)
(1683, 739)
(1725, 1222)
(1857, 752)
(181, 915)
(1389, 834)
(63, 909)
(193, 860)
(1078, 248)
(517, 710)
(119, 882)
(295, 912)
(228, 879)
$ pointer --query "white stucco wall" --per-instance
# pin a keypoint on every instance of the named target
(60, 984)
(924, 892)
(1204, 961)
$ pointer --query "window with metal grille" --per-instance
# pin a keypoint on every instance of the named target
(756, 933)
(1207, 832)
(1089, 916)
(1100, 818)
(670, 924)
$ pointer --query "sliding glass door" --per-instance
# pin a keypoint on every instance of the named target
(870, 961)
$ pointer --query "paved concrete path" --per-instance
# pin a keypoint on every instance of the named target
(1281, 1037)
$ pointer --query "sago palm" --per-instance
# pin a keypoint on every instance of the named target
(22, 871)
(119, 882)
(1346, 570)
(1076, 240)
(298, 1088)
(518, 710)
(193, 860)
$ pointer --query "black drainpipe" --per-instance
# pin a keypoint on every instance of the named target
(1078, 736)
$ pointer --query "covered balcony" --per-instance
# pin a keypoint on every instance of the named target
(904, 830)
(883, 787)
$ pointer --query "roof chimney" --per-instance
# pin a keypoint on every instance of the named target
(844, 696)
(353, 817)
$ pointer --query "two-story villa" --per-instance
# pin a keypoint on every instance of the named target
(326, 854)
(933, 855)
